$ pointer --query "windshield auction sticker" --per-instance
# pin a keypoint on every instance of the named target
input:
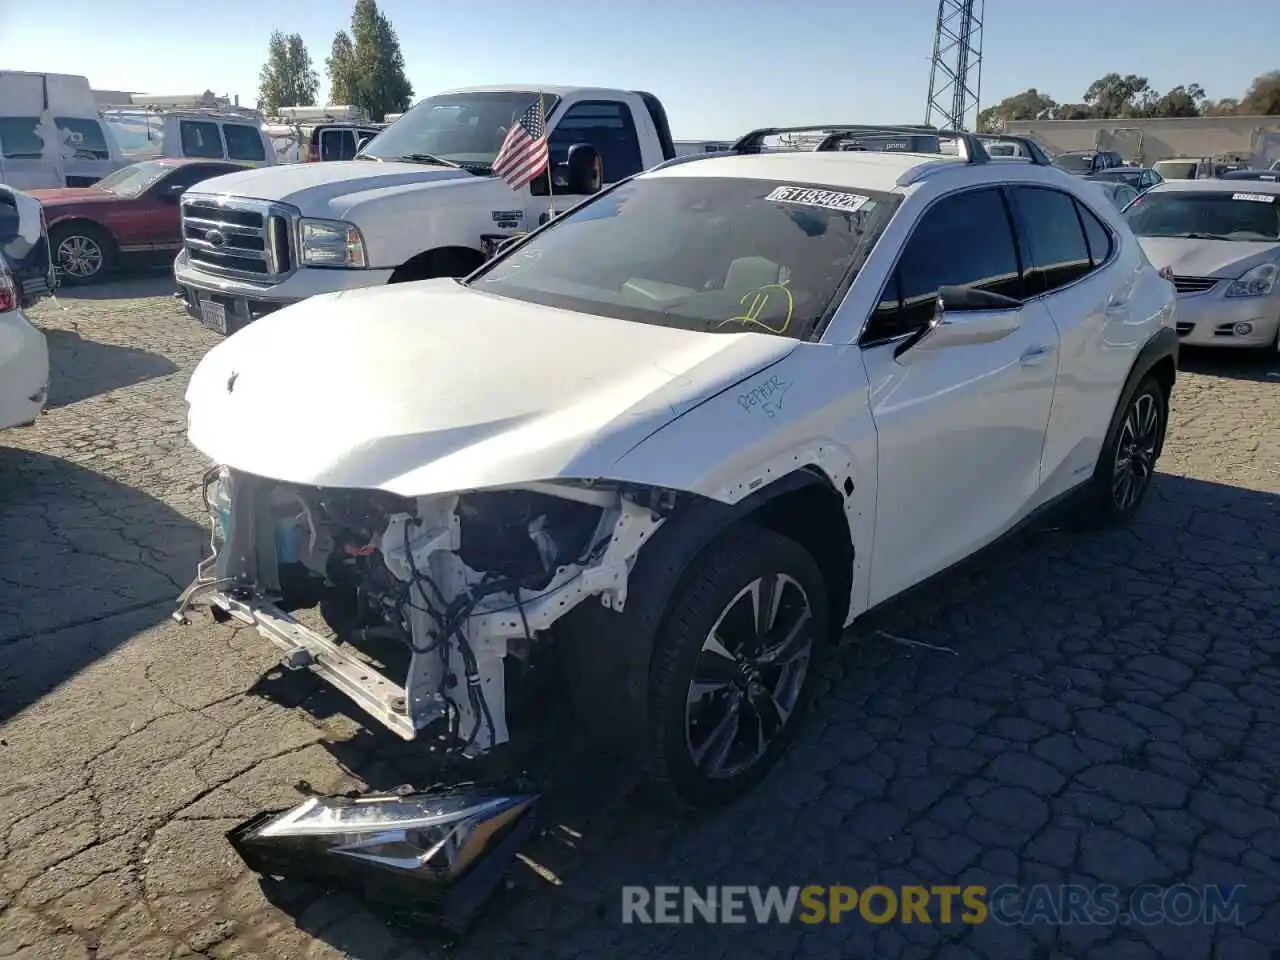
(1258, 197)
(828, 199)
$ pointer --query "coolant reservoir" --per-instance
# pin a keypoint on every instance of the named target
(288, 516)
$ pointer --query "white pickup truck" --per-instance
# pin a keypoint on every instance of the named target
(419, 201)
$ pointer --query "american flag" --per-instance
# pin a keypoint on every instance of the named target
(524, 152)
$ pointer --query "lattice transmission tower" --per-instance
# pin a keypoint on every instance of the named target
(955, 79)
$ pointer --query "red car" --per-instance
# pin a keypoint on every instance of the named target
(130, 213)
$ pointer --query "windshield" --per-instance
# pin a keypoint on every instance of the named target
(1177, 170)
(1212, 216)
(1075, 162)
(701, 253)
(132, 180)
(462, 128)
(1132, 177)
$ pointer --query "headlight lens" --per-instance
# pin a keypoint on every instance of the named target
(1258, 282)
(331, 243)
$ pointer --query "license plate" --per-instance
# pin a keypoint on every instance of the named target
(213, 315)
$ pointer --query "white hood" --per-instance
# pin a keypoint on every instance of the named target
(332, 189)
(1224, 259)
(430, 387)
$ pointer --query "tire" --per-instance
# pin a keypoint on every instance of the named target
(1127, 463)
(83, 253)
(430, 267)
(690, 761)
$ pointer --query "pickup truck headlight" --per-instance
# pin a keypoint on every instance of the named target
(1258, 282)
(330, 243)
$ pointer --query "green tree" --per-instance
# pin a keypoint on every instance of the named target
(1180, 102)
(1113, 96)
(1029, 105)
(1263, 96)
(341, 67)
(1073, 111)
(1226, 107)
(287, 78)
(366, 67)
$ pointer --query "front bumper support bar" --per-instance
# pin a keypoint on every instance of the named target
(304, 648)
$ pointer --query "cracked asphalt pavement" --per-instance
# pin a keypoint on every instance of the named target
(1103, 711)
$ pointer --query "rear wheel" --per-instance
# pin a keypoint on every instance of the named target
(735, 666)
(1129, 454)
(82, 253)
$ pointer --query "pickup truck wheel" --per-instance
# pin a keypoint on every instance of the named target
(83, 253)
(734, 667)
(439, 263)
(1129, 454)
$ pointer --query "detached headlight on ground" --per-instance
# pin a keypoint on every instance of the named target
(437, 855)
(1258, 282)
(331, 243)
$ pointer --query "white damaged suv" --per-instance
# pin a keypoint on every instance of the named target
(682, 436)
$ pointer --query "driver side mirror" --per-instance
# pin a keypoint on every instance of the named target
(584, 171)
(963, 316)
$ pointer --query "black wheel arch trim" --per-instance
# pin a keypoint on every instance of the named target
(614, 672)
(1163, 345)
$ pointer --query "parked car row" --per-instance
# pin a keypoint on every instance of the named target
(54, 134)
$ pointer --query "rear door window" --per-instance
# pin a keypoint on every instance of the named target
(85, 136)
(200, 138)
(1055, 238)
(1097, 235)
(244, 142)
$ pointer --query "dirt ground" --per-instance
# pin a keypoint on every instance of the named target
(1104, 711)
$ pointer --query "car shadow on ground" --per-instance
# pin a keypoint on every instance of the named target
(1260, 365)
(915, 713)
(82, 560)
(135, 283)
(81, 368)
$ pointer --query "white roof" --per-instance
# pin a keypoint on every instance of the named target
(1270, 187)
(870, 170)
(550, 89)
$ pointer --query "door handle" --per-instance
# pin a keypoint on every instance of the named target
(1034, 355)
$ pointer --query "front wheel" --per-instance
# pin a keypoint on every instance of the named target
(1129, 454)
(735, 666)
(82, 253)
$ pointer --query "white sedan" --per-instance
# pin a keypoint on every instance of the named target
(1221, 241)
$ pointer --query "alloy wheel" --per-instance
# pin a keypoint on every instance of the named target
(748, 676)
(1135, 457)
(79, 256)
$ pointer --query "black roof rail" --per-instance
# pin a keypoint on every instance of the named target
(835, 133)
(1034, 151)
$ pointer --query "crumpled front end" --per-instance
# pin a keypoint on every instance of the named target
(420, 599)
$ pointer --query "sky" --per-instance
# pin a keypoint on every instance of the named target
(721, 67)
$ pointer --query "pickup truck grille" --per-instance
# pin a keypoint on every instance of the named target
(1193, 284)
(237, 238)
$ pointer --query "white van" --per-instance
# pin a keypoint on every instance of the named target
(314, 134)
(150, 132)
(51, 134)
